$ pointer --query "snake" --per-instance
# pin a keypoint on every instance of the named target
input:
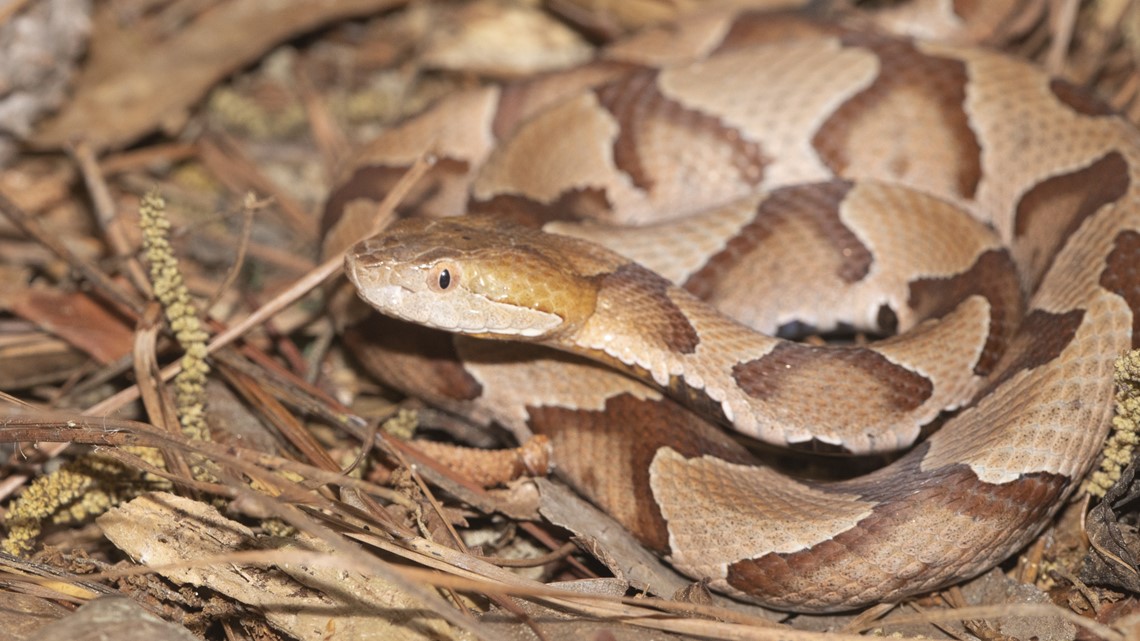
(626, 257)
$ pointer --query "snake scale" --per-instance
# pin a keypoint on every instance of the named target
(640, 228)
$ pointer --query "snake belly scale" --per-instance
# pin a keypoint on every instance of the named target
(787, 174)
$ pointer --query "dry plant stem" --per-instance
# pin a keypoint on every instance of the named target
(318, 349)
(1063, 17)
(110, 438)
(130, 304)
(292, 294)
(410, 452)
(49, 589)
(279, 302)
(356, 504)
(426, 491)
(100, 376)
(55, 582)
(182, 318)
(156, 397)
(641, 612)
(349, 551)
(283, 345)
(141, 159)
(954, 599)
(1007, 610)
(249, 206)
(293, 390)
(544, 537)
(731, 625)
(1097, 44)
(461, 569)
(455, 538)
(18, 402)
(1123, 97)
(285, 508)
(1090, 596)
(122, 456)
(411, 457)
(368, 443)
(868, 618)
(285, 423)
(227, 161)
(106, 215)
(286, 298)
(328, 136)
(286, 386)
(1029, 564)
(58, 427)
(554, 555)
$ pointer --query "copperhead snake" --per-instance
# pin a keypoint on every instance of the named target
(841, 179)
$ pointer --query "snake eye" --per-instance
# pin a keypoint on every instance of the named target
(442, 278)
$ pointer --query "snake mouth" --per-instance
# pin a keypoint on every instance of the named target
(392, 300)
(388, 298)
(475, 315)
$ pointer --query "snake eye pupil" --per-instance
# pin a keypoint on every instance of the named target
(444, 279)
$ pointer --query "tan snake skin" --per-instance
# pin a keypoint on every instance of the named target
(794, 175)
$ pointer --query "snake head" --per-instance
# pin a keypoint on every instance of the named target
(475, 276)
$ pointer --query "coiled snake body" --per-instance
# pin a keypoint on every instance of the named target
(835, 178)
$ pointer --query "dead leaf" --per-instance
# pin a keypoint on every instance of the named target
(77, 319)
(1115, 545)
(126, 92)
